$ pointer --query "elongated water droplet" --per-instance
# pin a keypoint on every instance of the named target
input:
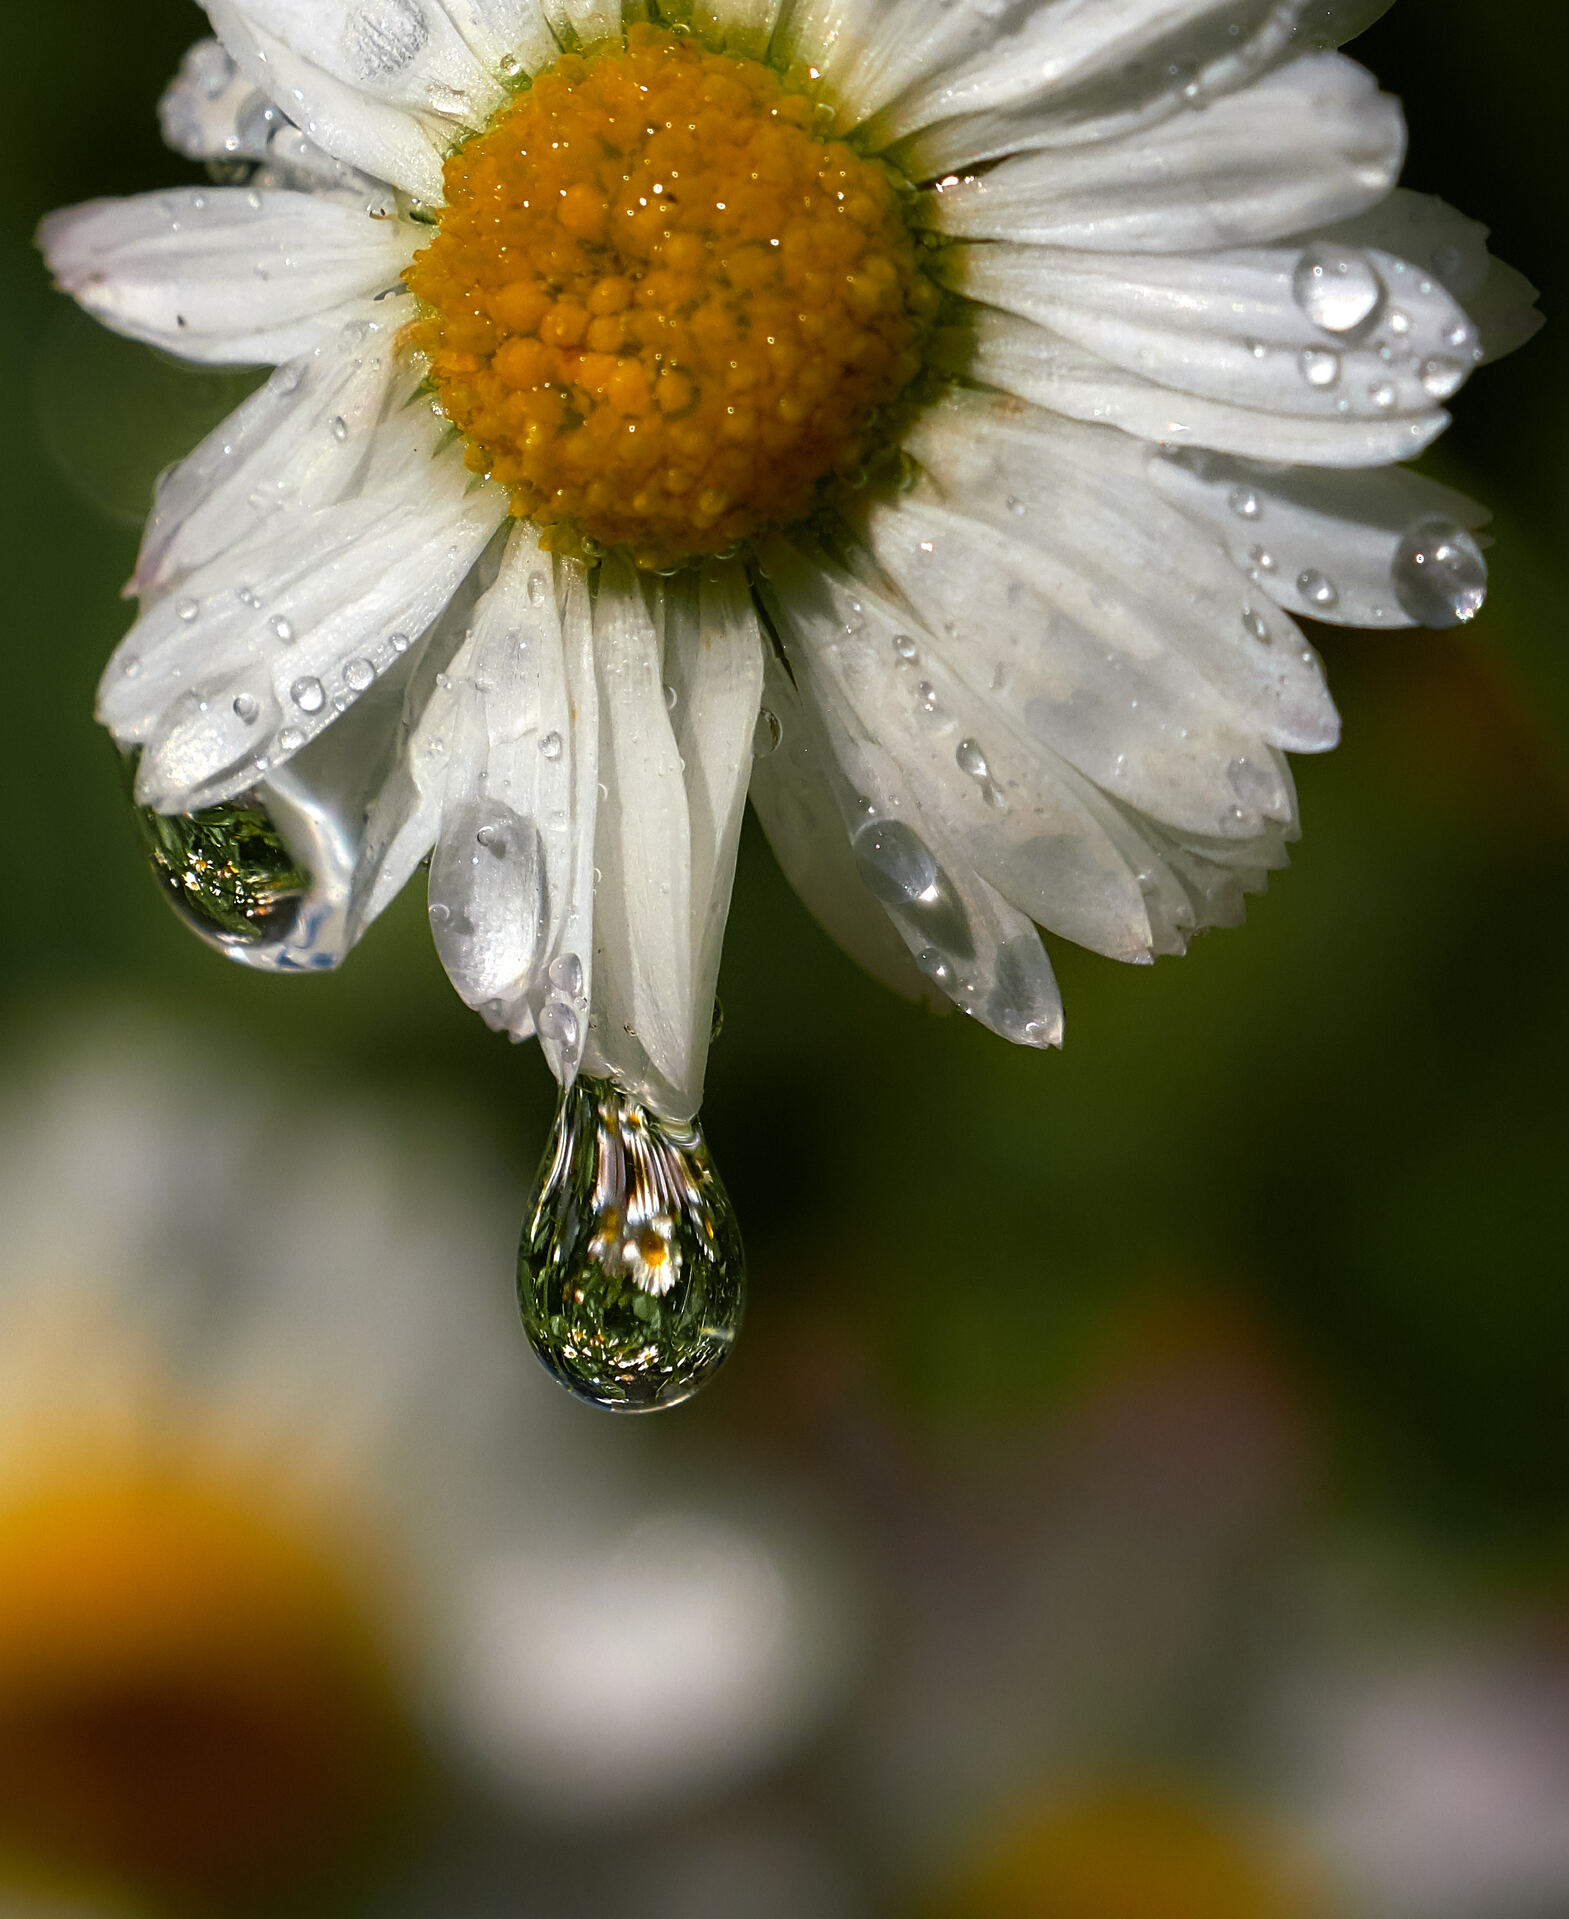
(631, 1276)
(225, 870)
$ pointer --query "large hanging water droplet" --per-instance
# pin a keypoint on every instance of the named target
(225, 870)
(631, 1275)
(1439, 574)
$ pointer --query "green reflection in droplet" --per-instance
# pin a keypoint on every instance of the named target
(631, 1274)
(225, 870)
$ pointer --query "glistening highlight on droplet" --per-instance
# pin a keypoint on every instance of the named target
(631, 1275)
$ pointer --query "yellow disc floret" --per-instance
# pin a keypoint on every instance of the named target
(662, 307)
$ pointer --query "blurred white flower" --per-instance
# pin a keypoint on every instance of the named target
(1136, 1672)
(289, 1516)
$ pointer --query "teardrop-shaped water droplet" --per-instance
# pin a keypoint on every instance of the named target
(1338, 287)
(631, 1276)
(225, 870)
(1440, 575)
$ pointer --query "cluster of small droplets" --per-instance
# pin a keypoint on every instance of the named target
(663, 304)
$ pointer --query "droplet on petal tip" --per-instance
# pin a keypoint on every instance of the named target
(631, 1273)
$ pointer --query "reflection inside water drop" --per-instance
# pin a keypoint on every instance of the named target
(631, 1275)
(225, 870)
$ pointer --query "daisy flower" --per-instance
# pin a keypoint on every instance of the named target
(272, 1591)
(927, 416)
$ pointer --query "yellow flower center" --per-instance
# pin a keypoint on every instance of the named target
(662, 305)
(192, 1704)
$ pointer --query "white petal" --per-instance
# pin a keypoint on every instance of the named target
(404, 812)
(1077, 70)
(211, 111)
(571, 970)
(401, 53)
(387, 141)
(299, 443)
(1312, 143)
(264, 648)
(585, 21)
(642, 1017)
(1003, 351)
(714, 669)
(975, 947)
(795, 803)
(1340, 547)
(1331, 23)
(226, 275)
(1083, 664)
(1140, 576)
(509, 36)
(747, 26)
(1438, 240)
(1007, 806)
(502, 873)
(320, 802)
(1238, 326)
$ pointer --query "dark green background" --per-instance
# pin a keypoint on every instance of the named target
(1348, 1117)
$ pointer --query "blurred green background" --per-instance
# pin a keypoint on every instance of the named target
(1347, 1120)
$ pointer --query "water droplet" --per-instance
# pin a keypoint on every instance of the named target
(1439, 574)
(558, 1025)
(767, 734)
(1318, 591)
(283, 629)
(187, 610)
(1320, 367)
(1245, 503)
(339, 428)
(1254, 624)
(290, 740)
(1398, 322)
(1338, 288)
(1442, 378)
(225, 870)
(631, 1274)
(895, 863)
(1263, 560)
(1383, 396)
(1017, 506)
(566, 975)
(308, 694)
(359, 675)
(906, 649)
(671, 697)
(439, 914)
(972, 760)
(246, 708)
(399, 642)
(538, 587)
(552, 746)
(926, 702)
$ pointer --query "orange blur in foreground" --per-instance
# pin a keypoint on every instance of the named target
(660, 307)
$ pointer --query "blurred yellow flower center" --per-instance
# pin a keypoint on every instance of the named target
(191, 1704)
(661, 305)
(1131, 1854)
